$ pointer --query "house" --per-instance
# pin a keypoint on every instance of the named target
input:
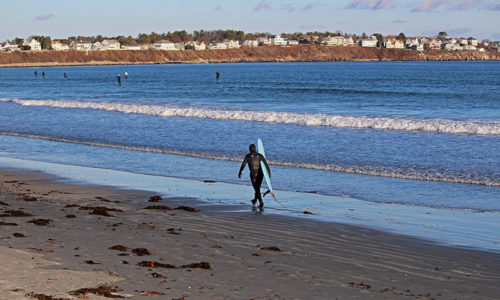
(217, 46)
(264, 40)
(334, 41)
(435, 44)
(389, 43)
(469, 47)
(472, 41)
(111, 44)
(58, 46)
(197, 46)
(348, 41)
(179, 46)
(9, 47)
(463, 42)
(250, 43)
(369, 43)
(97, 46)
(230, 44)
(81, 46)
(33, 44)
(131, 47)
(452, 47)
(164, 45)
(293, 42)
(278, 40)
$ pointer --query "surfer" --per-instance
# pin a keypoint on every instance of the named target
(119, 79)
(217, 77)
(126, 75)
(36, 73)
(253, 160)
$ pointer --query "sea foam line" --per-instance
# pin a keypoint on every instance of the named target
(474, 127)
(359, 170)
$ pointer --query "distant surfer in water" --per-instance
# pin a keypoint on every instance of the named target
(217, 77)
(119, 79)
(253, 160)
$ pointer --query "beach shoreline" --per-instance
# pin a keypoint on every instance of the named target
(250, 254)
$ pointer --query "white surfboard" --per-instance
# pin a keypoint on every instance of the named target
(260, 149)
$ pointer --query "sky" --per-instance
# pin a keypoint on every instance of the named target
(64, 18)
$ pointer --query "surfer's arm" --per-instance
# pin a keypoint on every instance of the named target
(243, 166)
(265, 163)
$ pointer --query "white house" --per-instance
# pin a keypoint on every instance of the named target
(179, 46)
(278, 40)
(369, 43)
(58, 46)
(131, 47)
(389, 43)
(250, 43)
(81, 46)
(230, 44)
(111, 44)
(435, 44)
(97, 46)
(451, 46)
(472, 41)
(217, 46)
(197, 46)
(264, 40)
(164, 45)
(334, 41)
(469, 47)
(9, 47)
(293, 42)
(33, 44)
(463, 42)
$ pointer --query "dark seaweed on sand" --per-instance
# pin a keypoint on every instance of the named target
(40, 222)
(7, 224)
(158, 207)
(155, 198)
(44, 297)
(154, 264)
(100, 210)
(118, 248)
(187, 208)
(201, 265)
(15, 213)
(103, 290)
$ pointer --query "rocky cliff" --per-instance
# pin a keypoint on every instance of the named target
(302, 53)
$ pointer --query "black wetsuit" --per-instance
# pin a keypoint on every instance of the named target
(253, 160)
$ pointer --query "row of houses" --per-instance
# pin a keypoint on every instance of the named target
(421, 44)
(370, 42)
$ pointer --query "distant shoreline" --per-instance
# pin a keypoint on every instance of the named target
(302, 53)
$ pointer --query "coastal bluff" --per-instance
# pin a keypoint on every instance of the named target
(301, 53)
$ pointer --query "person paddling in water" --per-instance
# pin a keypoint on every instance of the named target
(253, 160)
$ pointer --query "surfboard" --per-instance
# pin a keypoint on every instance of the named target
(260, 149)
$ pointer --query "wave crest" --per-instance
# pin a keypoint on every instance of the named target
(473, 127)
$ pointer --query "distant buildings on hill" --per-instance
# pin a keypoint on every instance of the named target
(389, 42)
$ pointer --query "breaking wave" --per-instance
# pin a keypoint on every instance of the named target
(360, 170)
(473, 127)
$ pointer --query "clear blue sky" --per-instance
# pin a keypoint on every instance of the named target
(63, 18)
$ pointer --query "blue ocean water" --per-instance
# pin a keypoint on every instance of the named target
(415, 133)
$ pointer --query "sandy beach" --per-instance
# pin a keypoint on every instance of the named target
(72, 241)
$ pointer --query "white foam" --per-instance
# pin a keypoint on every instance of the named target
(360, 170)
(473, 126)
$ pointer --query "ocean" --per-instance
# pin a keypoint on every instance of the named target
(381, 144)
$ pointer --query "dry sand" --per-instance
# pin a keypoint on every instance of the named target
(250, 255)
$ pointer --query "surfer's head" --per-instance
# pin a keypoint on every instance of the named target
(252, 148)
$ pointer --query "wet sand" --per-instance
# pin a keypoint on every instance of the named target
(75, 241)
